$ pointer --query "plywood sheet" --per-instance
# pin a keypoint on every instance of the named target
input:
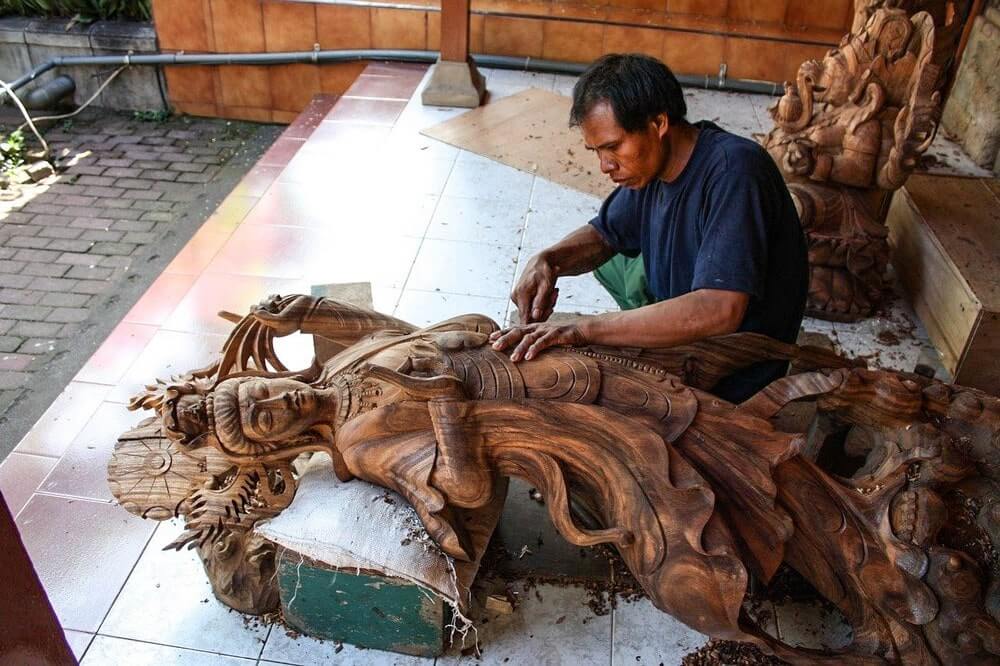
(964, 217)
(528, 131)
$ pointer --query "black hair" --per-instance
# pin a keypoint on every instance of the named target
(638, 88)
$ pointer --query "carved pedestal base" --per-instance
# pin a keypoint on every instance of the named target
(848, 251)
(454, 84)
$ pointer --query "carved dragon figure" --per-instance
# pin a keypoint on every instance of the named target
(694, 492)
(851, 129)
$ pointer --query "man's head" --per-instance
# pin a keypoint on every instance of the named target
(625, 104)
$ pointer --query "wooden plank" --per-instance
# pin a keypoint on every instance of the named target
(979, 367)
(936, 289)
(528, 131)
(965, 219)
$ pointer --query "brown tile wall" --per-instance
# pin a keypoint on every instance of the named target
(757, 39)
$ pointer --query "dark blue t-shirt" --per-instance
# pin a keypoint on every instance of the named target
(726, 222)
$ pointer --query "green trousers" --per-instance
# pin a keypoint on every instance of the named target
(625, 279)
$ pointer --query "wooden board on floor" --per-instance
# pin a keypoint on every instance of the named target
(945, 238)
(528, 131)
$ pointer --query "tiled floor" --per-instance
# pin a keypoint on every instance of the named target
(352, 194)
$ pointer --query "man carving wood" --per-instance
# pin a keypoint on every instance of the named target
(700, 238)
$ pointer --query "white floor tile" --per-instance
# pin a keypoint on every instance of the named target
(731, 111)
(169, 600)
(547, 226)
(457, 267)
(645, 635)
(552, 627)
(547, 195)
(106, 651)
(78, 641)
(304, 651)
(383, 262)
(477, 220)
(424, 308)
(478, 177)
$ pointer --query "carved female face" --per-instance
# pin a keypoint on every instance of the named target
(276, 409)
(255, 414)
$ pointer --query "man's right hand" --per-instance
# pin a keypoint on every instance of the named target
(535, 294)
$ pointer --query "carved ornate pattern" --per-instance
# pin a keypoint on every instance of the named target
(851, 128)
(694, 492)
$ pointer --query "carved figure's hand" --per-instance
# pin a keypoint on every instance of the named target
(530, 339)
(283, 315)
(535, 294)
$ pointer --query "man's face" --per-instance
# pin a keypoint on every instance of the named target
(630, 159)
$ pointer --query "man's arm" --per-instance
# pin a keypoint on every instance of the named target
(676, 321)
(580, 252)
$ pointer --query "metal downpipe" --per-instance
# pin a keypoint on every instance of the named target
(318, 57)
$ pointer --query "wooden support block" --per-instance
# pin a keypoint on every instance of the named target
(945, 238)
(363, 608)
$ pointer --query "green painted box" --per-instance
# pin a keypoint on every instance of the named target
(366, 609)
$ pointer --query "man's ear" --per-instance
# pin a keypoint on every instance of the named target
(661, 123)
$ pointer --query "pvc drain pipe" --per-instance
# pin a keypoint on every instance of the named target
(721, 82)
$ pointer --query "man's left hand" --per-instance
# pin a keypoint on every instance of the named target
(529, 340)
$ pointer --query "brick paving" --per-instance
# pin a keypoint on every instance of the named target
(68, 243)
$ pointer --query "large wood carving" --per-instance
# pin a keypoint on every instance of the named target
(694, 492)
(850, 130)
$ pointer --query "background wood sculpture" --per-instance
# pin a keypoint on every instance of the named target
(850, 130)
(694, 492)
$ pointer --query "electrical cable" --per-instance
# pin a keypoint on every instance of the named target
(85, 104)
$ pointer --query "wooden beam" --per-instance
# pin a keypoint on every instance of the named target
(454, 30)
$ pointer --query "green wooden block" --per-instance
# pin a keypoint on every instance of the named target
(367, 609)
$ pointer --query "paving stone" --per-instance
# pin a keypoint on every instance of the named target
(76, 200)
(116, 203)
(183, 196)
(114, 162)
(152, 164)
(141, 237)
(111, 192)
(62, 233)
(11, 266)
(10, 343)
(98, 181)
(89, 273)
(147, 194)
(14, 280)
(13, 380)
(26, 312)
(102, 235)
(28, 242)
(8, 252)
(195, 177)
(91, 286)
(161, 206)
(114, 261)
(88, 170)
(121, 172)
(51, 270)
(113, 248)
(20, 297)
(187, 167)
(158, 216)
(65, 315)
(97, 223)
(65, 300)
(38, 346)
(77, 259)
(133, 183)
(157, 174)
(49, 209)
(36, 255)
(35, 329)
(53, 284)
(132, 226)
(65, 245)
